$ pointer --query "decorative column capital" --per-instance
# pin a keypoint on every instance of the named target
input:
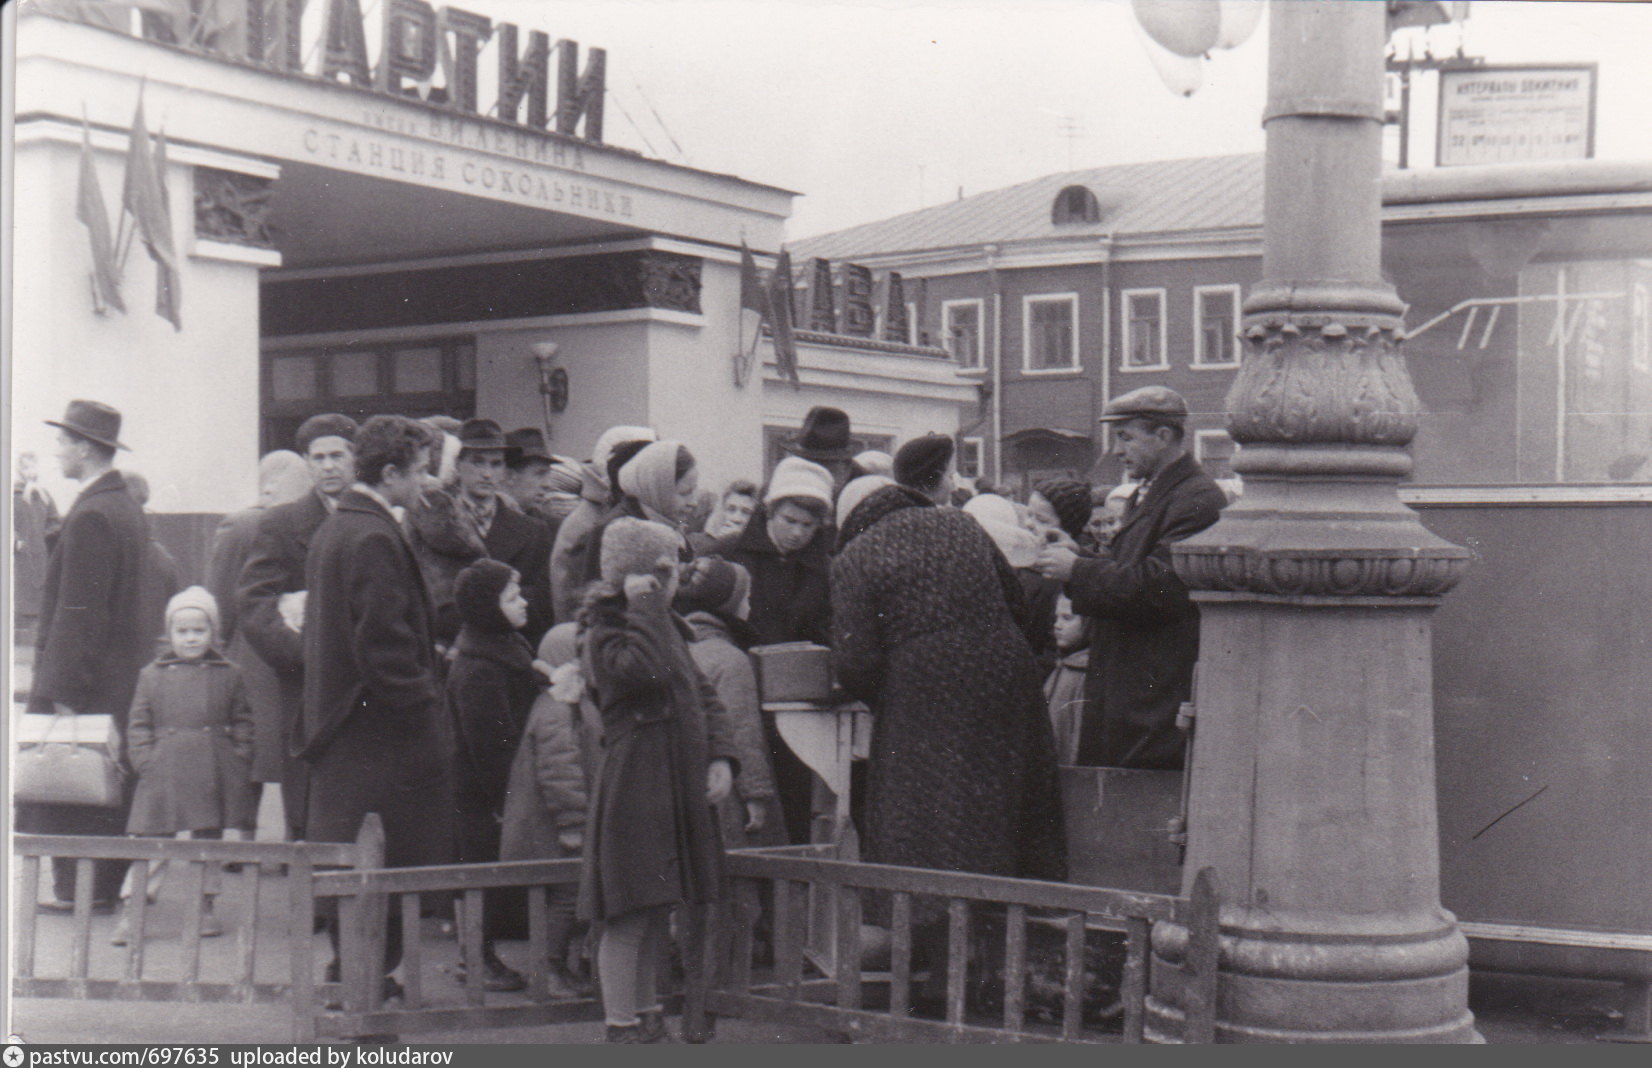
(1322, 366)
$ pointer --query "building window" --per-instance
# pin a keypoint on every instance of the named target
(969, 458)
(421, 378)
(1075, 204)
(961, 331)
(1144, 340)
(1214, 451)
(1050, 333)
(1216, 316)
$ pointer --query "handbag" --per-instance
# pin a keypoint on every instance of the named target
(77, 770)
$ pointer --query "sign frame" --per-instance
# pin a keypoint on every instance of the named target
(1440, 130)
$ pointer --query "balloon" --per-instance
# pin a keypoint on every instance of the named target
(1182, 75)
(1239, 19)
(1185, 27)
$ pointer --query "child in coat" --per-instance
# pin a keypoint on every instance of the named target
(551, 779)
(1064, 690)
(189, 738)
(714, 599)
(651, 841)
(490, 689)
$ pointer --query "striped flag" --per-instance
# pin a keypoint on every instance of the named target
(780, 319)
(91, 210)
(144, 195)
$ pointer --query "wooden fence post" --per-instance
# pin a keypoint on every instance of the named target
(1200, 967)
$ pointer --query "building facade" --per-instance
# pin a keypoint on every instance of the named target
(346, 236)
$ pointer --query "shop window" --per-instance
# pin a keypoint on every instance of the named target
(1050, 333)
(969, 458)
(961, 328)
(355, 374)
(417, 370)
(429, 377)
(293, 378)
(1216, 340)
(1144, 330)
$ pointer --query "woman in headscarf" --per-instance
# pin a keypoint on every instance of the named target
(962, 774)
(659, 484)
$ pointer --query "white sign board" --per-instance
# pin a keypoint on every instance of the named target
(1516, 114)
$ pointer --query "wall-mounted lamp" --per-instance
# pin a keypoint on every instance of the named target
(553, 382)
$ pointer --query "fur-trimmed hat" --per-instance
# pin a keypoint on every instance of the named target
(1071, 500)
(476, 594)
(328, 425)
(194, 597)
(635, 547)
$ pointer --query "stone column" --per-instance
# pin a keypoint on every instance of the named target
(1312, 791)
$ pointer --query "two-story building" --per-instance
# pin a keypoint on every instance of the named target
(1061, 292)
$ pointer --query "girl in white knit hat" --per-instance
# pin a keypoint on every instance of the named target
(189, 737)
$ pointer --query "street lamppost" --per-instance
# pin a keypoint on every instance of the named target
(1312, 780)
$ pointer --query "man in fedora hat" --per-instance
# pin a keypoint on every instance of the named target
(1145, 634)
(527, 462)
(826, 440)
(271, 590)
(92, 639)
(507, 535)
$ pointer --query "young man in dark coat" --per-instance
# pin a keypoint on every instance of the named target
(272, 583)
(371, 725)
(92, 639)
(1145, 634)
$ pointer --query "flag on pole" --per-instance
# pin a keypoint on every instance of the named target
(780, 319)
(144, 195)
(753, 297)
(91, 210)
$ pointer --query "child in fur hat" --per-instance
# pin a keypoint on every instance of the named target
(189, 738)
(651, 841)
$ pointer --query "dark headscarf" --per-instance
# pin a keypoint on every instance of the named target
(921, 462)
(1071, 500)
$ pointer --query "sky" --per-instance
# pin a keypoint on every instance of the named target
(871, 108)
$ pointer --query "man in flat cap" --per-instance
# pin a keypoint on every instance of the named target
(1145, 634)
(271, 594)
(92, 639)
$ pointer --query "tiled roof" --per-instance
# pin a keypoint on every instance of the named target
(1210, 192)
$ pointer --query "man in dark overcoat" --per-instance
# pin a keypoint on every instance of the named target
(371, 726)
(1145, 627)
(92, 639)
(509, 536)
(272, 582)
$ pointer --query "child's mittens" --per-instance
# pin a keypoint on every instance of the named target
(291, 607)
(646, 593)
(567, 682)
(571, 839)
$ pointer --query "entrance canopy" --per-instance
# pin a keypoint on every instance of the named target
(370, 176)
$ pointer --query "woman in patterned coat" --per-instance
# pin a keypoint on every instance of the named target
(928, 625)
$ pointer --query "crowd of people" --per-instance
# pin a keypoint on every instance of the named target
(510, 654)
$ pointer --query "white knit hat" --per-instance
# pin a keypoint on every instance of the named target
(797, 477)
(194, 597)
